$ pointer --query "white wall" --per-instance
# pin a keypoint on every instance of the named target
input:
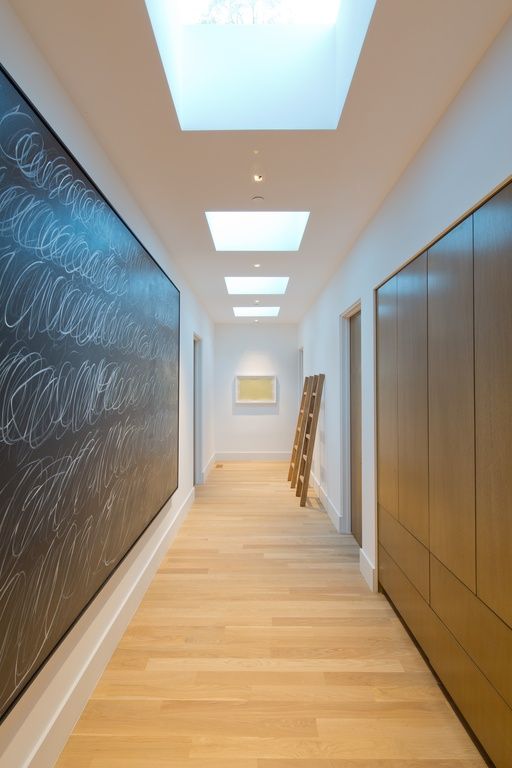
(37, 727)
(467, 155)
(255, 431)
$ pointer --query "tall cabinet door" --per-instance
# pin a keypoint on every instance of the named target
(412, 399)
(387, 397)
(493, 406)
(452, 402)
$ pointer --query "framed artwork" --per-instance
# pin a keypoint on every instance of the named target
(258, 390)
(89, 356)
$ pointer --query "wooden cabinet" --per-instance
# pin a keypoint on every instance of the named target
(387, 397)
(444, 418)
(493, 392)
(412, 398)
(452, 402)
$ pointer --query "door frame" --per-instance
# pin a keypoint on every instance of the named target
(345, 474)
(197, 449)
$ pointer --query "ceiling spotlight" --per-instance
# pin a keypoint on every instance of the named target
(257, 265)
(256, 301)
(256, 321)
(258, 177)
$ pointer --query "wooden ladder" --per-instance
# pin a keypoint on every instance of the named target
(298, 440)
(311, 422)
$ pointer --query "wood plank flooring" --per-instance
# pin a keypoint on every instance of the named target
(258, 645)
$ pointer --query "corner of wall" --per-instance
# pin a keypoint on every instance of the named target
(368, 571)
(333, 513)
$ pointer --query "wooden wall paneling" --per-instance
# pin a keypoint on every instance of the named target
(387, 402)
(355, 429)
(484, 709)
(486, 638)
(493, 401)
(413, 398)
(452, 402)
(406, 550)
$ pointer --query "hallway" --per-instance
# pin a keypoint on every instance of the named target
(258, 645)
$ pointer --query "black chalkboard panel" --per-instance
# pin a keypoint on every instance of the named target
(89, 356)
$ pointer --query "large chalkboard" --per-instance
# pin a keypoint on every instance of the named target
(89, 353)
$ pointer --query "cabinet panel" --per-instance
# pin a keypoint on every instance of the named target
(406, 551)
(413, 398)
(387, 403)
(493, 401)
(484, 709)
(481, 633)
(451, 402)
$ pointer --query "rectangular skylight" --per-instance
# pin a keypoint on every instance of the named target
(256, 285)
(263, 12)
(257, 230)
(270, 64)
(256, 311)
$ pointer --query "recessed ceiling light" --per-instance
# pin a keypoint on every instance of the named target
(257, 230)
(258, 178)
(256, 301)
(256, 311)
(256, 320)
(256, 285)
(257, 266)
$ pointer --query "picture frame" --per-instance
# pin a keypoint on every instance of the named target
(256, 389)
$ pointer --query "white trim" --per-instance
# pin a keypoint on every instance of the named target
(198, 409)
(208, 468)
(368, 570)
(345, 475)
(253, 456)
(36, 730)
(329, 507)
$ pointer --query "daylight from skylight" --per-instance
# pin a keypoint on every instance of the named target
(259, 64)
(256, 285)
(259, 11)
(256, 311)
(257, 230)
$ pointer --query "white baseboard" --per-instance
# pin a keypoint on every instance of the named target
(334, 515)
(253, 456)
(368, 571)
(36, 730)
(209, 467)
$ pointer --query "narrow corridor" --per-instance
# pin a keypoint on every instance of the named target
(258, 645)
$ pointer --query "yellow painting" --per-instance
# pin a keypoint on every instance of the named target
(256, 389)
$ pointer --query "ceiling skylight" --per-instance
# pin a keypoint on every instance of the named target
(286, 66)
(257, 230)
(256, 311)
(256, 285)
(260, 12)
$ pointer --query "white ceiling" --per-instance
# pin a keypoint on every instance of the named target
(416, 56)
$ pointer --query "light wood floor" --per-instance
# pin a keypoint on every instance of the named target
(258, 645)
